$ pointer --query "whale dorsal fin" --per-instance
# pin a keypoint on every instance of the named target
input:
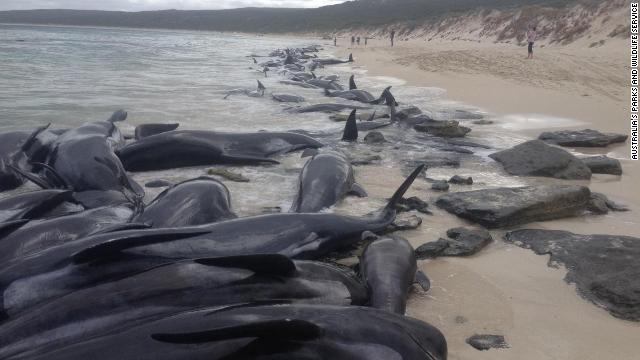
(272, 264)
(351, 128)
(280, 329)
(352, 83)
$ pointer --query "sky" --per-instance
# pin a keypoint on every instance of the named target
(140, 5)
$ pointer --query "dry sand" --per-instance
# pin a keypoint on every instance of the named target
(506, 290)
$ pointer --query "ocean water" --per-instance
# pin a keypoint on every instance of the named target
(70, 75)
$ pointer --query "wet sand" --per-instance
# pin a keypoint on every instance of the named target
(504, 289)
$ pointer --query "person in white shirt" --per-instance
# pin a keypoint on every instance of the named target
(531, 38)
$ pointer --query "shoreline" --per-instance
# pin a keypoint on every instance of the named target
(504, 289)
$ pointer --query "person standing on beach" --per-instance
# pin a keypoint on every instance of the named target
(335, 41)
(531, 38)
(393, 35)
(353, 40)
(358, 40)
(365, 40)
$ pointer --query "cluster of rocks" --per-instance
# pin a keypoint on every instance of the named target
(413, 204)
(461, 242)
(443, 128)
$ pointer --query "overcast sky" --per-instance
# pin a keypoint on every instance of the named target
(138, 5)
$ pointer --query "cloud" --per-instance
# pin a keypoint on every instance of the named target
(140, 5)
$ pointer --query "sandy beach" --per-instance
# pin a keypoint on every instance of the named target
(504, 289)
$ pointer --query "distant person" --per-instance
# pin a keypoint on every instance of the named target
(365, 40)
(335, 41)
(358, 40)
(531, 38)
(393, 35)
(353, 40)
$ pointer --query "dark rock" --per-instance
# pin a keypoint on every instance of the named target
(486, 342)
(582, 138)
(443, 128)
(374, 137)
(413, 203)
(501, 207)
(459, 180)
(440, 185)
(467, 143)
(309, 153)
(536, 158)
(605, 268)
(603, 165)
(432, 161)
(405, 222)
(229, 175)
(158, 183)
(597, 205)
(431, 249)
(456, 149)
(461, 242)
(366, 160)
(483, 122)
(611, 205)
(408, 112)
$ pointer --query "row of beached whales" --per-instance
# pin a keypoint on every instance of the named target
(87, 270)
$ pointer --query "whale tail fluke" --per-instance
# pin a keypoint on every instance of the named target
(351, 128)
(36, 179)
(33, 136)
(119, 115)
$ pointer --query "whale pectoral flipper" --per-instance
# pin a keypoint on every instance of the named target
(248, 159)
(272, 264)
(38, 180)
(117, 245)
(357, 190)
(422, 280)
(122, 227)
(291, 329)
(8, 227)
(310, 243)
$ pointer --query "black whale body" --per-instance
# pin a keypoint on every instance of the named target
(185, 148)
(269, 332)
(162, 291)
(192, 202)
